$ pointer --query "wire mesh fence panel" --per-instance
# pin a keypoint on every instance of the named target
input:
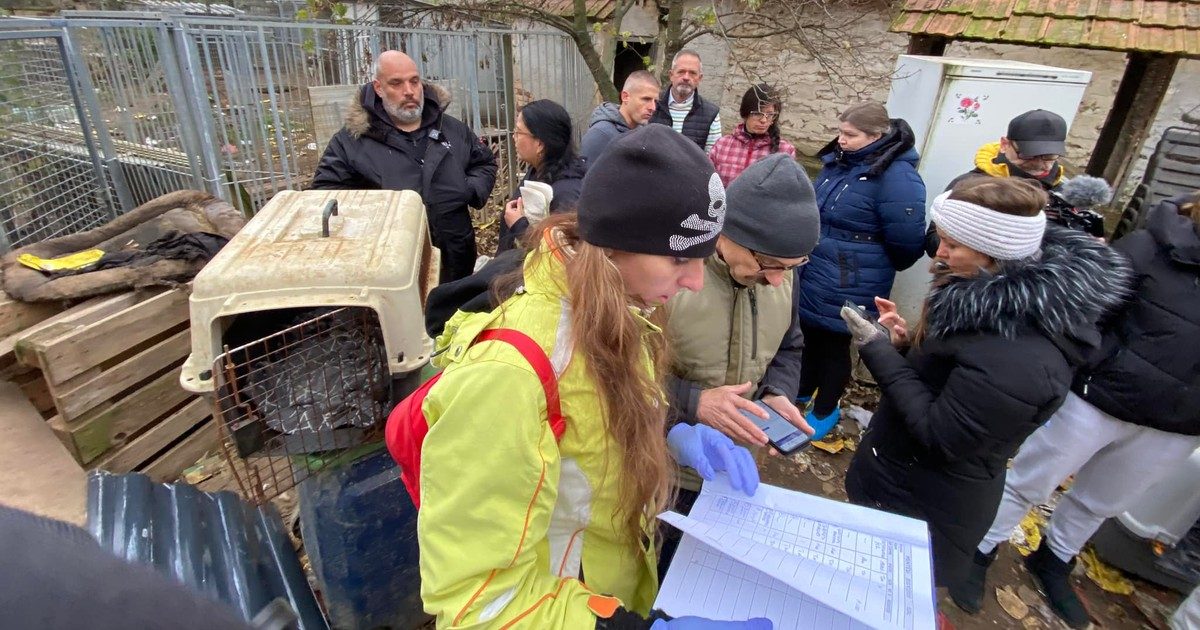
(49, 179)
(298, 400)
(240, 107)
(138, 94)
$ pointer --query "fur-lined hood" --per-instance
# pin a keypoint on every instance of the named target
(362, 112)
(1062, 294)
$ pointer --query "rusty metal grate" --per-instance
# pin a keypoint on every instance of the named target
(299, 400)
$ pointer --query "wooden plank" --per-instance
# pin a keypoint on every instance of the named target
(63, 438)
(168, 466)
(37, 394)
(112, 426)
(36, 473)
(81, 314)
(81, 348)
(16, 315)
(83, 393)
(155, 439)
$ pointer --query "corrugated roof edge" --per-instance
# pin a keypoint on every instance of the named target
(215, 543)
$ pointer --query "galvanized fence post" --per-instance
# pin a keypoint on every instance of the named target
(194, 92)
(89, 116)
(185, 112)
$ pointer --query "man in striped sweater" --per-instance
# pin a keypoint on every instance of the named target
(681, 107)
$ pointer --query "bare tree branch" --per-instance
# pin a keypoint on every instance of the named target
(805, 26)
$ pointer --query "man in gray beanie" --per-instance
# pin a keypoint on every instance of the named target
(738, 339)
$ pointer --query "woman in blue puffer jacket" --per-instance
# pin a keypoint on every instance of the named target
(872, 225)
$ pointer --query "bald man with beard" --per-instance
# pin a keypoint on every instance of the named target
(397, 136)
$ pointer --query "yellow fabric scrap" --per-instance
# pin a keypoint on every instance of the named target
(1028, 536)
(831, 446)
(1104, 576)
(78, 260)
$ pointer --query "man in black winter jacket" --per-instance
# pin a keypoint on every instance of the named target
(397, 137)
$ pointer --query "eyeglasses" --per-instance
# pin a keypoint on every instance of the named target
(1047, 157)
(763, 268)
(765, 115)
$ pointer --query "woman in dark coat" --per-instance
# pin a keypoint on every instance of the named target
(1132, 417)
(872, 205)
(1012, 309)
(543, 139)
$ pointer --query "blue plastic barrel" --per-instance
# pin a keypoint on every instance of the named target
(360, 532)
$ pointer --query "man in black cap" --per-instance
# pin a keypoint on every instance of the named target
(1031, 149)
(738, 339)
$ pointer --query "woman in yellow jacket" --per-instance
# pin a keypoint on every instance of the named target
(518, 528)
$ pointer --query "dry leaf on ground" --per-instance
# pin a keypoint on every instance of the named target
(1011, 602)
(1155, 611)
(823, 471)
(801, 462)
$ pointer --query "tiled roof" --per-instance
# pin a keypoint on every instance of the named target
(1157, 26)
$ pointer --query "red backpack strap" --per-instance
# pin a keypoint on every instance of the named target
(540, 363)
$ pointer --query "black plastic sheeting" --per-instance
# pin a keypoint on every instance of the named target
(215, 543)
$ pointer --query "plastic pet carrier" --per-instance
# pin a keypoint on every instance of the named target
(307, 326)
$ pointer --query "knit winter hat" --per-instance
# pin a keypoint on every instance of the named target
(999, 235)
(772, 209)
(652, 191)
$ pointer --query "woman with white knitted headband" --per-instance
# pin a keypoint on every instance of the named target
(1012, 309)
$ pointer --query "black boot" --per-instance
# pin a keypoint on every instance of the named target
(968, 594)
(1054, 578)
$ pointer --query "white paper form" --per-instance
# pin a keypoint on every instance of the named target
(803, 561)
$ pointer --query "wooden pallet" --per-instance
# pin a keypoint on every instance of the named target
(105, 374)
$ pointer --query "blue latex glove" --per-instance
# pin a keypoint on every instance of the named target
(709, 452)
(698, 623)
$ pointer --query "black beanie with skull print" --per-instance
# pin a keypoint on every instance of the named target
(652, 191)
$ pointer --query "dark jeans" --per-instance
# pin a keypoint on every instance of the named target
(824, 367)
(454, 234)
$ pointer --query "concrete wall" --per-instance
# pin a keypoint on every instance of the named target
(815, 93)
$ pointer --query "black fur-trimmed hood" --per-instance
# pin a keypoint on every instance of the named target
(1062, 294)
(359, 118)
(898, 144)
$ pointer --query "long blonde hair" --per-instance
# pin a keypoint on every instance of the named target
(614, 342)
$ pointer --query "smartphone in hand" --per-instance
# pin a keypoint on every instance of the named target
(781, 434)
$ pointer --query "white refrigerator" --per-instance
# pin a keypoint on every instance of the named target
(956, 106)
